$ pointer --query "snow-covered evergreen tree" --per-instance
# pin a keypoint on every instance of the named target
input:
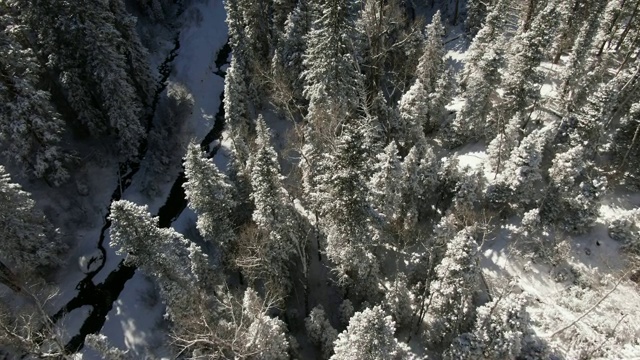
(438, 99)
(370, 335)
(287, 62)
(572, 200)
(331, 76)
(516, 184)
(320, 331)
(577, 63)
(413, 110)
(491, 31)
(158, 251)
(30, 127)
(522, 79)
(470, 121)
(386, 190)
(87, 52)
(627, 141)
(499, 331)
(272, 213)
(469, 190)
(282, 10)
(500, 147)
(210, 195)
(135, 53)
(237, 122)
(476, 11)
(398, 300)
(606, 32)
(431, 64)
(501, 326)
(451, 309)
(419, 180)
(346, 212)
(29, 242)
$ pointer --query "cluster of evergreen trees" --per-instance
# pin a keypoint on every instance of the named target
(70, 69)
(375, 195)
(366, 86)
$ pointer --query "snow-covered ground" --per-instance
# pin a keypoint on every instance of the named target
(136, 321)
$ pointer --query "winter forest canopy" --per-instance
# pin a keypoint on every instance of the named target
(319, 179)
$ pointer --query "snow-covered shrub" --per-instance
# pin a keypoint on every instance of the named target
(469, 190)
(370, 334)
(625, 227)
(266, 336)
(346, 311)
(500, 327)
(320, 331)
(464, 347)
(101, 344)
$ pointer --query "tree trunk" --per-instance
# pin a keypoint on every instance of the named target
(628, 27)
(531, 6)
(611, 27)
(628, 56)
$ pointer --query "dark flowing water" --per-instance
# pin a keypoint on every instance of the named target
(102, 296)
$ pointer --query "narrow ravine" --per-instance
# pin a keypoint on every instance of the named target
(102, 296)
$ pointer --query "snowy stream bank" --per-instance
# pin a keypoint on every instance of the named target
(101, 297)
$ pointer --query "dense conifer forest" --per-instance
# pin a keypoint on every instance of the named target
(319, 179)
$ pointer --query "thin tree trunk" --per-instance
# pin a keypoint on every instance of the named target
(611, 27)
(556, 58)
(529, 15)
(633, 142)
(631, 50)
(628, 27)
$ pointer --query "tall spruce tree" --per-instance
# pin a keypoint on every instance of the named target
(522, 79)
(210, 195)
(346, 213)
(287, 62)
(457, 276)
(419, 180)
(431, 64)
(413, 115)
(491, 31)
(471, 121)
(386, 190)
(516, 185)
(331, 76)
(30, 126)
(272, 212)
